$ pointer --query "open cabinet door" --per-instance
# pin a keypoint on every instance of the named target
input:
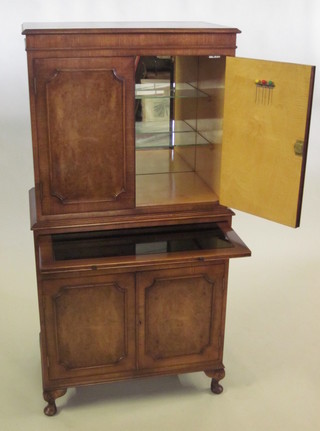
(265, 137)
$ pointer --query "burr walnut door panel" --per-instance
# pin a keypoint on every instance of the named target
(181, 315)
(89, 325)
(85, 134)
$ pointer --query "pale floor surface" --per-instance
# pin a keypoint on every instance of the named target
(272, 346)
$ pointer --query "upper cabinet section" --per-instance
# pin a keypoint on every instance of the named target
(132, 122)
(82, 81)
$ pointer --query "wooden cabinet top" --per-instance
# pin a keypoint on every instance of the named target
(126, 27)
(133, 38)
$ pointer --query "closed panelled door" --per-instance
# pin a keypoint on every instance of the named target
(84, 157)
(89, 325)
(181, 315)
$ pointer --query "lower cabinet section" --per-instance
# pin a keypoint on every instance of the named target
(98, 328)
(128, 303)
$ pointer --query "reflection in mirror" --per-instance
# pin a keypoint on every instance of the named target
(154, 104)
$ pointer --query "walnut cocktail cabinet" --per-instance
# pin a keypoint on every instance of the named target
(143, 135)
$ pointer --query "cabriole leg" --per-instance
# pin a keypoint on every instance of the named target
(216, 376)
(50, 397)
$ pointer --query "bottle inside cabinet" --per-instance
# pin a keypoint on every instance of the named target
(178, 121)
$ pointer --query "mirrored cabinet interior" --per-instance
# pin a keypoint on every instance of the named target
(144, 135)
(178, 123)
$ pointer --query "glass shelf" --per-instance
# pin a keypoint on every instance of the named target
(165, 126)
(151, 90)
(169, 140)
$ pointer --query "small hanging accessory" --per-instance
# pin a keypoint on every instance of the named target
(264, 91)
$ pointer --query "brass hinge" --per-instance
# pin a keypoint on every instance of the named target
(298, 147)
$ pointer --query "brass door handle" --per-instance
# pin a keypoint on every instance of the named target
(298, 148)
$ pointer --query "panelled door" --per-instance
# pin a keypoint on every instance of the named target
(181, 316)
(89, 325)
(85, 134)
(267, 113)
